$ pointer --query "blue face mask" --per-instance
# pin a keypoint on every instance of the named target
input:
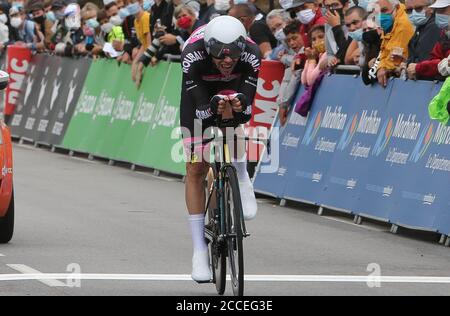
(386, 22)
(123, 13)
(240, 1)
(92, 23)
(51, 16)
(363, 4)
(134, 8)
(418, 19)
(147, 4)
(442, 20)
(356, 35)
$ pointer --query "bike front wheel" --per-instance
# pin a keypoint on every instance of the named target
(233, 211)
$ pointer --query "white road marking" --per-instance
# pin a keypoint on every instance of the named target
(353, 224)
(31, 274)
(49, 278)
(2, 255)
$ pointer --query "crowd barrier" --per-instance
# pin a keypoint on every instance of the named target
(369, 151)
(93, 107)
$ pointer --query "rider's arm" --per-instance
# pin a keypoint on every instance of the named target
(195, 87)
(248, 86)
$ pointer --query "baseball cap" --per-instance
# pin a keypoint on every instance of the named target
(440, 4)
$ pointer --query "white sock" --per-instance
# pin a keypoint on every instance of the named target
(241, 170)
(197, 223)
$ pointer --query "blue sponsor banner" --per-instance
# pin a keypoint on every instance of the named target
(347, 179)
(370, 151)
(274, 168)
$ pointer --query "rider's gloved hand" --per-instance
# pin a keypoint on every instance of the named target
(239, 103)
(214, 103)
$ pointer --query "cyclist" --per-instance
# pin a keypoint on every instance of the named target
(218, 58)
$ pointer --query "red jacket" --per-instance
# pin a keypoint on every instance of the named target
(429, 68)
(319, 19)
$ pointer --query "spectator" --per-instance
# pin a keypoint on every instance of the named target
(259, 14)
(47, 6)
(427, 33)
(428, 69)
(292, 74)
(316, 61)
(141, 25)
(111, 32)
(307, 12)
(371, 40)
(258, 30)
(90, 27)
(4, 30)
(163, 11)
(276, 21)
(43, 24)
(25, 31)
(74, 33)
(354, 18)
(397, 32)
(219, 7)
(337, 35)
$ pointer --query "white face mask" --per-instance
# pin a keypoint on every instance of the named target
(306, 16)
(3, 18)
(116, 20)
(279, 35)
(107, 27)
(16, 22)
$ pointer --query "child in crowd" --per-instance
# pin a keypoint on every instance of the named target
(316, 55)
(293, 59)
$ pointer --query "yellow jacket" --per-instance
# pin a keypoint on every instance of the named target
(401, 34)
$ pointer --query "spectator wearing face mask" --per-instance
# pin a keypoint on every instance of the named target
(59, 30)
(316, 56)
(277, 20)
(74, 35)
(44, 25)
(427, 33)
(90, 26)
(427, 69)
(215, 9)
(141, 26)
(354, 18)
(258, 30)
(337, 36)
(4, 30)
(25, 31)
(110, 31)
(307, 12)
(397, 32)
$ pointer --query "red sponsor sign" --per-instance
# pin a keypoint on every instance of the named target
(265, 106)
(17, 65)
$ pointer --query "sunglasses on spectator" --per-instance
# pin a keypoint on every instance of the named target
(417, 9)
(354, 22)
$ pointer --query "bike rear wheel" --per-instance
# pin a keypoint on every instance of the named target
(233, 211)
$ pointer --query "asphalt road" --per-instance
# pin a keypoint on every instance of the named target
(117, 222)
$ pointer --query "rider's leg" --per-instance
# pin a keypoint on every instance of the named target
(249, 205)
(195, 202)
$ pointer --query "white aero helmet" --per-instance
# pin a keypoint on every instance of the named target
(225, 36)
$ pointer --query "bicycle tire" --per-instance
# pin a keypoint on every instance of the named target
(217, 252)
(233, 207)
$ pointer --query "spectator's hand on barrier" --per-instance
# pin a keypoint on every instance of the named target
(333, 19)
(139, 68)
(411, 71)
(332, 62)
(283, 114)
(118, 45)
(168, 39)
(154, 61)
(382, 76)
